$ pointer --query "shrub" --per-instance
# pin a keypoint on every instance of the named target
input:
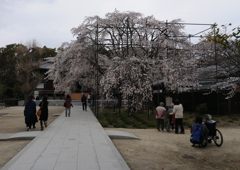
(120, 125)
(151, 124)
(110, 120)
(187, 123)
(123, 118)
(202, 108)
(139, 125)
(128, 121)
(235, 119)
(10, 102)
(103, 123)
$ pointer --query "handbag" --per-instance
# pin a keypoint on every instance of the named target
(39, 112)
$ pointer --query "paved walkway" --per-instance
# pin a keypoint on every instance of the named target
(76, 143)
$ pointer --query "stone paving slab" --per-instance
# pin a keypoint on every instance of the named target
(5, 136)
(77, 142)
(115, 134)
(24, 135)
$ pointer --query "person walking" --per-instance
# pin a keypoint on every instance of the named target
(84, 102)
(44, 114)
(178, 112)
(30, 113)
(89, 99)
(35, 121)
(160, 116)
(68, 105)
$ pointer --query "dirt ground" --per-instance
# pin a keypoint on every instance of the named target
(154, 150)
(163, 150)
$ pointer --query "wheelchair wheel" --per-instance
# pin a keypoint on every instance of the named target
(218, 139)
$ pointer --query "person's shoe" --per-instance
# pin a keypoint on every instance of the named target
(27, 129)
(182, 132)
(193, 145)
(176, 133)
(158, 130)
(42, 128)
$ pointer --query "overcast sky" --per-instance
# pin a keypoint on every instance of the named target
(50, 21)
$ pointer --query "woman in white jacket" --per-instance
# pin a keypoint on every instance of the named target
(178, 112)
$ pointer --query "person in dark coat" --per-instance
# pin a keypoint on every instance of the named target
(68, 105)
(84, 102)
(44, 115)
(30, 113)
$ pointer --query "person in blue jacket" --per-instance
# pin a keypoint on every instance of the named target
(204, 130)
(30, 113)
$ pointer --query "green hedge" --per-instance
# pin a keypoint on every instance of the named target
(10, 102)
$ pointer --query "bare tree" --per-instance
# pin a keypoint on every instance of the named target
(27, 67)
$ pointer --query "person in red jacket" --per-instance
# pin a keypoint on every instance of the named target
(68, 105)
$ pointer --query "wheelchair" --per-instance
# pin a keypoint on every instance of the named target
(213, 135)
(170, 123)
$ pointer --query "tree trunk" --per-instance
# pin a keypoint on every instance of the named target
(25, 98)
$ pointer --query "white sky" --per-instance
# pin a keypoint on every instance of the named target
(50, 21)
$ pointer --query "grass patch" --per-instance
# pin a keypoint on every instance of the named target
(235, 119)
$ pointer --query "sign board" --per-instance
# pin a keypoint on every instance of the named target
(168, 101)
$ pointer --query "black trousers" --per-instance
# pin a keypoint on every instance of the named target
(29, 124)
(179, 122)
(160, 122)
(84, 105)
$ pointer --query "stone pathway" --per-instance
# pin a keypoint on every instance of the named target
(76, 143)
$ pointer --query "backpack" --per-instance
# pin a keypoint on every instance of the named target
(196, 136)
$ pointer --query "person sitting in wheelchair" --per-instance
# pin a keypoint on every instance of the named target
(199, 132)
(211, 125)
(208, 119)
